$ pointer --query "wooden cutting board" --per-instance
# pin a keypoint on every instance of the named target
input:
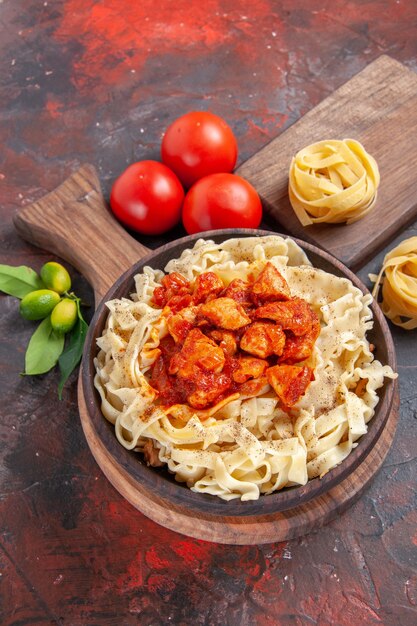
(74, 223)
(378, 107)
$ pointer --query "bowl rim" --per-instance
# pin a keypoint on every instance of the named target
(159, 483)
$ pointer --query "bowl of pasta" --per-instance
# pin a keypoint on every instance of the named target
(237, 386)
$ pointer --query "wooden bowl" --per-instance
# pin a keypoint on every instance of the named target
(153, 488)
(74, 223)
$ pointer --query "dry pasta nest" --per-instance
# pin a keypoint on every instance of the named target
(399, 285)
(333, 181)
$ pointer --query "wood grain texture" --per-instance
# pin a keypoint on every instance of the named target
(74, 222)
(276, 517)
(378, 107)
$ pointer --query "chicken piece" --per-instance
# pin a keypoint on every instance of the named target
(206, 284)
(299, 348)
(263, 339)
(295, 315)
(151, 454)
(208, 387)
(199, 353)
(269, 286)
(177, 303)
(296, 349)
(240, 291)
(226, 340)
(254, 387)
(173, 284)
(224, 313)
(289, 382)
(180, 324)
(249, 367)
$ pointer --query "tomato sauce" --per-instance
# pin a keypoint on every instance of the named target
(171, 389)
(232, 339)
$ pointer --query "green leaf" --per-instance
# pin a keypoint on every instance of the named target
(71, 356)
(44, 349)
(19, 281)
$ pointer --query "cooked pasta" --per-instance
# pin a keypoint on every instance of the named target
(399, 285)
(252, 439)
(333, 181)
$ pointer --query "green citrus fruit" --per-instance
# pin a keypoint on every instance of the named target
(56, 277)
(38, 304)
(64, 315)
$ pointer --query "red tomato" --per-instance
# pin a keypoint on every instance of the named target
(147, 197)
(198, 144)
(221, 201)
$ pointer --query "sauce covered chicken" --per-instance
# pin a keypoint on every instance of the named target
(232, 340)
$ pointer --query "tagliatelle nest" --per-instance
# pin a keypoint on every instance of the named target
(333, 181)
(399, 285)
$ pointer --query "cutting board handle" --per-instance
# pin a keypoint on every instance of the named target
(75, 224)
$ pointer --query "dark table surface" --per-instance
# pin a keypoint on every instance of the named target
(98, 81)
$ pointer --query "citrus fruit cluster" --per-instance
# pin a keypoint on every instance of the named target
(40, 303)
(46, 297)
